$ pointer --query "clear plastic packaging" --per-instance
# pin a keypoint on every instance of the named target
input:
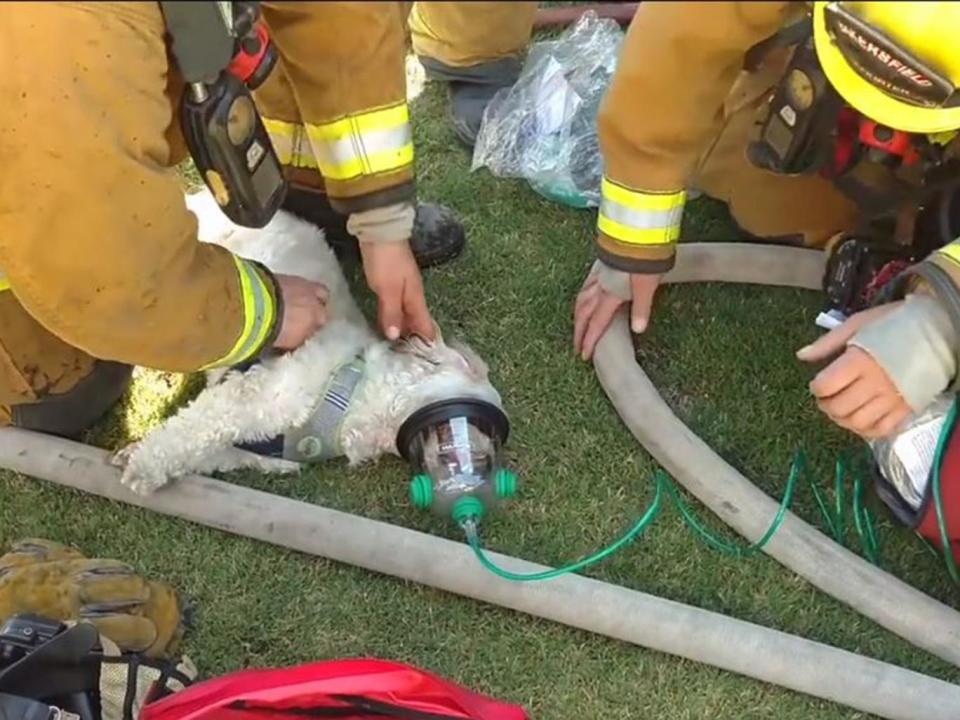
(907, 458)
(544, 128)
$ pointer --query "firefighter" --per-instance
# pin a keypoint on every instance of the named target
(476, 48)
(680, 113)
(100, 266)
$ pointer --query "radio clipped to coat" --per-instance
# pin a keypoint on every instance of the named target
(223, 51)
(807, 127)
(801, 113)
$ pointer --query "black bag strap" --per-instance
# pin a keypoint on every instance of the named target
(63, 665)
(794, 34)
(67, 669)
(202, 37)
(18, 708)
(359, 707)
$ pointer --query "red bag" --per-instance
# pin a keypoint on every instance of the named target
(928, 525)
(355, 689)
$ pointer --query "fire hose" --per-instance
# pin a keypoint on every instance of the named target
(840, 573)
(786, 660)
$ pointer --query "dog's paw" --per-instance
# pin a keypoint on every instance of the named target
(279, 466)
(142, 481)
(140, 474)
(121, 458)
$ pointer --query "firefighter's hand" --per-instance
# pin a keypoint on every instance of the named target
(853, 390)
(597, 304)
(304, 310)
(392, 274)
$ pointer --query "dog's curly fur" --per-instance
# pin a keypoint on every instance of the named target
(281, 393)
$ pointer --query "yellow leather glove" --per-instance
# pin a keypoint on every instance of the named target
(55, 581)
(28, 552)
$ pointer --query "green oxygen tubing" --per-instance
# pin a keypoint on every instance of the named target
(666, 493)
(834, 517)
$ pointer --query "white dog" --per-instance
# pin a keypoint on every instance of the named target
(282, 394)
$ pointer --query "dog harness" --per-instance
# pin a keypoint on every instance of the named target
(318, 439)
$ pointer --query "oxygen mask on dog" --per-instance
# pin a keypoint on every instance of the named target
(455, 450)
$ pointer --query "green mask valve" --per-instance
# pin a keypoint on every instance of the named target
(506, 484)
(421, 491)
(461, 502)
(468, 509)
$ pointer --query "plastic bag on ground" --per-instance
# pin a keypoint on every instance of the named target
(544, 128)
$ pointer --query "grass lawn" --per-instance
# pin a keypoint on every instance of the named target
(724, 358)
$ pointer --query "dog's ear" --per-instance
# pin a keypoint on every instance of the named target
(473, 363)
(438, 352)
(437, 335)
(427, 350)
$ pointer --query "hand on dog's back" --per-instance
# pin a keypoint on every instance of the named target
(304, 310)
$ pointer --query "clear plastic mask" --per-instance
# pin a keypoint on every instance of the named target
(461, 455)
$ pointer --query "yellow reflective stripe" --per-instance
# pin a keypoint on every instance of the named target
(368, 143)
(951, 251)
(942, 138)
(4, 283)
(385, 119)
(259, 314)
(291, 143)
(638, 200)
(640, 218)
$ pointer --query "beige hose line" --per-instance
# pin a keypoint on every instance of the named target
(883, 598)
(772, 656)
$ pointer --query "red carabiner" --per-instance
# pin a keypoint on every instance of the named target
(255, 58)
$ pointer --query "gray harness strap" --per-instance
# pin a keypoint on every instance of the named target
(319, 438)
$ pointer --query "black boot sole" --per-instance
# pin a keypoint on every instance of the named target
(432, 246)
(71, 413)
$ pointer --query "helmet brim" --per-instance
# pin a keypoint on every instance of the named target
(863, 96)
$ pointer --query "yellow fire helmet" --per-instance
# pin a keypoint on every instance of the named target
(898, 63)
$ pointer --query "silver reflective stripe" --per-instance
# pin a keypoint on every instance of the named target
(258, 291)
(226, 12)
(375, 142)
(282, 145)
(641, 219)
(342, 155)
